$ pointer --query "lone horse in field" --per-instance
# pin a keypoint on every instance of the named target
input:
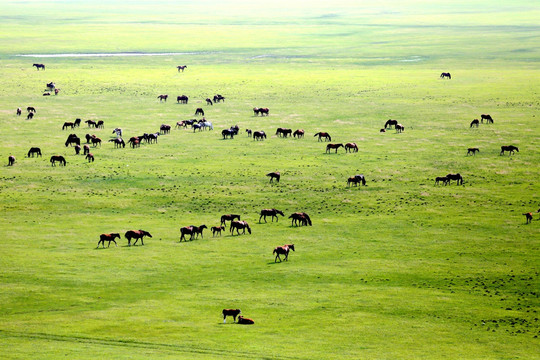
(472, 151)
(509, 148)
(351, 147)
(39, 66)
(228, 217)
(230, 312)
(300, 218)
(270, 212)
(274, 175)
(181, 67)
(446, 75)
(239, 225)
(58, 158)
(109, 238)
(457, 177)
(283, 250)
(389, 123)
(333, 147)
(136, 234)
(324, 135)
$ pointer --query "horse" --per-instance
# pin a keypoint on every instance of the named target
(228, 132)
(283, 132)
(274, 175)
(446, 75)
(228, 217)
(264, 111)
(51, 86)
(91, 123)
(351, 147)
(196, 127)
(487, 117)
(183, 99)
(235, 129)
(283, 250)
(230, 312)
(19, 111)
(333, 146)
(100, 124)
(96, 141)
(30, 116)
(34, 150)
(509, 148)
(382, 130)
(77, 122)
(445, 180)
(163, 97)
(399, 128)
(474, 122)
(239, 225)
(298, 133)
(356, 179)
(245, 321)
(109, 238)
(209, 102)
(191, 230)
(180, 124)
(58, 158)
(68, 124)
(457, 177)
(73, 139)
(300, 217)
(31, 109)
(89, 138)
(89, 157)
(181, 67)
(207, 124)
(165, 129)
(259, 135)
(199, 111)
(472, 151)
(46, 94)
(270, 212)
(11, 160)
(218, 98)
(86, 150)
(117, 131)
(136, 234)
(134, 142)
(77, 149)
(249, 132)
(324, 135)
(39, 66)
(389, 123)
(528, 217)
(217, 229)
(153, 137)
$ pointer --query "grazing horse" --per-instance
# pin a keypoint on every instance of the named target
(270, 212)
(31, 109)
(77, 122)
(165, 129)
(153, 137)
(299, 133)
(19, 111)
(109, 238)
(351, 147)
(11, 160)
(181, 67)
(217, 230)
(457, 177)
(73, 139)
(86, 150)
(528, 217)
(228, 217)
(399, 128)
(117, 131)
(180, 124)
(446, 75)
(283, 132)
(356, 179)
(96, 141)
(274, 175)
(199, 111)
(475, 122)
(136, 234)
(58, 158)
(89, 157)
(218, 98)
(472, 151)
(77, 149)
(445, 180)
(324, 135)
(259, 135)
(230, 312)
(389, 123)
(163, 97)
(256, 111)
(333, 146)
(300, 217)
(239, 225)
(100, 124)
(29, 116)
(228, 132)
(509, 148)
(209, 102)
(245, 321)
(183, 99)
(39, 66)
(89, 138)
(264, 111)
(283, 250)
(68, 124)
(34, 150)
(486, 117)
(196, 127)
(134, 142)
(91, 123)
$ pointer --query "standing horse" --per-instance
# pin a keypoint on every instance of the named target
(181, 67)
(86, 150)
(324, 135)
(509, 148)
(457, 177)
(191, 230)
(333, 146)
(163, 97)
(300, 217)
(136, 234)
(199, 111)
(389, 123)
(259, 135)
(30, 116)
(355, 180)
(68, 124)
(117, 131)
(487, 117)
(528, 217)
(218, 98)
(351, 147)
(228, 217)
(89, 157)
(165, 129)
(77, 149)
(472, 151)
(96, 141)
(264, 111)
(91, 123)
(249, 132)
(445, 180)
(183, 99)
(474, 122)
(58, 158)
(100, 124)
(270, 212)
(399, 128)
(39, 66)
(34, 150)
(283, 132)
(274, 175)
(230, 312)
(446, 75)
(256, 111)
(19, 111)
(209, 102)
(239, 225)
(109, 238)
(228, 132)
(283, 250)
(217, 230)
(11, 160)
(298, 133)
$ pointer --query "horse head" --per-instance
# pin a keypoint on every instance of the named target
(145, 233)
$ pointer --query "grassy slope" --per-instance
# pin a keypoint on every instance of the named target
(398, 269)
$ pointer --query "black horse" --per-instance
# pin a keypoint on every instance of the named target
(228, 133)
(181, 67)
(509, 148)
(389, 123)
(199, 111)
(270, 212)
(472, 151)
(39, 66)
(446, 75)
(73, 139)
(475, 122)
(136, 234)
(457, 177)
(259, 135)
(356, 179)
(487, 117)
(183, 99)
(58, 158)
(274, 175)
(34, 150)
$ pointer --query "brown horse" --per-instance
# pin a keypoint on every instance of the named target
(230, 312)
(239, 225)
(283, 250)
(333, 147)
(217, 230)
(270, 212)
(109, 238)
(89, 157)
(191, 230)
(509, 148)
(34, 150)
(299, 133)
(245, 321)
(165, 129)
(475, 122)
(73, 139)
(68, 124)
(300, 218)
(182, 99)
(324, 135)
(283, 132)
(95, 141)
(351, 147)
(181, 67)
(58, 158)
(487, 117)
(199, 111)
(91, 123)
(77, 149)
(86, 150)
(356, 179)
(472, 151)
(274, 175)
(445, 180)
(528, 217)
(136, 234)
(100, 124)
(228, 217)
(11, 160)
(163, 97)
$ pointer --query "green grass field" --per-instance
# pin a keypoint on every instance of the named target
(398, 269)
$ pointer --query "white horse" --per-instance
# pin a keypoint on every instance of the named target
(118, 132)
(207, 124)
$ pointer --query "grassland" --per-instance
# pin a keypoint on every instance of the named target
(399, 269)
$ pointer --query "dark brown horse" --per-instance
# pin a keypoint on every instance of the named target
(239, 225)
(446, 75)
(218, 98)
(264, 111)
(100, 124)
(163, 97)
(283, 250)
(77, 122)
(274, 175)
(19, 111)
(11, 160)
(487, 117)
(34, 150)
(58, 158)
(259, 135)
(299, 133)
(228, 217)
(136, 234)
(283, 132)
(457, 177)
(217, 230)
(91, 123)
(199, 111)
(528, 217)
(181, 67)
(209, 102)
(389, 123)
(30, 116)
(68, 124)
(165, 129)
(95, 141)
(72, 139)
(230, 312)
(192, 231)
(509, 148)
(333, 147)
(351, 147)
(472, 151)
(249, 132)
(445, 180)
(300, 218)
(31, 109)
(86, 150)
(270, 212)
(475, 122)
(109, 238)
(118, 142)
(89, 157)
(39, 66)
(182, 99)
(324, 135)
(355, 180)
(77, 149)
